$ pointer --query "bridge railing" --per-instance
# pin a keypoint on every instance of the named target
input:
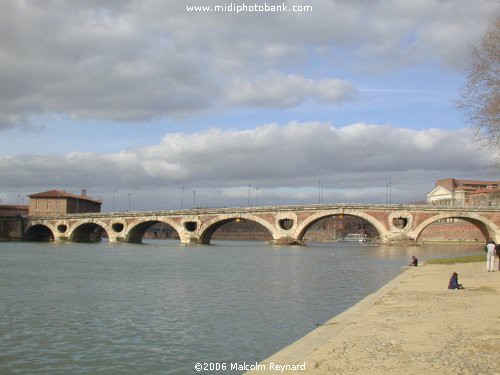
(263, 209)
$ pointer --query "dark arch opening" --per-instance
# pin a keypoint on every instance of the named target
(39, 233)
(286, 224)
(236, 229)
(400, 222)
(88, 232)
(190, 226)
(337, 228)
(455, 229)
(152, 230)
(117, 227)
(62, 228)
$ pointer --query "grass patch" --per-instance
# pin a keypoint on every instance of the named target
(462, 259)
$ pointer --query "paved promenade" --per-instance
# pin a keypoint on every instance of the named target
(413, 325)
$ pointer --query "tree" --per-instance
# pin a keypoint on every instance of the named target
(480, 97)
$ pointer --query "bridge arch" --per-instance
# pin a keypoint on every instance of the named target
(40, 232)
(486, 226)
(208, 229)
(307, 223)
(134, 233)
(88, 231)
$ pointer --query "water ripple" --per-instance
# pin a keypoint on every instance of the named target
(103, 309)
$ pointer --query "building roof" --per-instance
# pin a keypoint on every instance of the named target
(486, 191)
(61, 194)
(465, 188)
(439, 191)
(476, 182)
(458, 182)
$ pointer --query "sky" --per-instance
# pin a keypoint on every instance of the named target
(152, 105)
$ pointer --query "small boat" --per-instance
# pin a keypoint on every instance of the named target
(355, 237)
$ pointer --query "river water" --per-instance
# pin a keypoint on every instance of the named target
(160, 308)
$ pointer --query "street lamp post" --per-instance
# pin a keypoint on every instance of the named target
(390, 191)
(248, 203)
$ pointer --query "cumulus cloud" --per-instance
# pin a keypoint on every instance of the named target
(279, 91)
(284, 162)
(136, 60)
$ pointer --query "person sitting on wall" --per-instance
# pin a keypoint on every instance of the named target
(453, 284)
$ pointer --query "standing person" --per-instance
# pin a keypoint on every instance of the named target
(498, 253)
(490, 255)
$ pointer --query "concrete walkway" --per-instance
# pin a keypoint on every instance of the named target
(412, 325)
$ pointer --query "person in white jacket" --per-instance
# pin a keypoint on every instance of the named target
(490, 255)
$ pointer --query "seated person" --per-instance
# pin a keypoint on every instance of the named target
(453, 284)
(414, 261)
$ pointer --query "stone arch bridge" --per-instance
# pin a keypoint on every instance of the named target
(287, 224)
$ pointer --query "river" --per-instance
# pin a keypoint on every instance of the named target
(160, 308)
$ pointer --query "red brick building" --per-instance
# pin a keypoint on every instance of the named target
(54, 202)
(13, 210)
(484, 197)
(451, 192)
(456, 192)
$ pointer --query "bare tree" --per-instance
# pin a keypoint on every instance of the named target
(480, 97)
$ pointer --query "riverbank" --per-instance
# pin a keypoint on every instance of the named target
(412, 325)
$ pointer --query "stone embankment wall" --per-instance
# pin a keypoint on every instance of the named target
(11, 228)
